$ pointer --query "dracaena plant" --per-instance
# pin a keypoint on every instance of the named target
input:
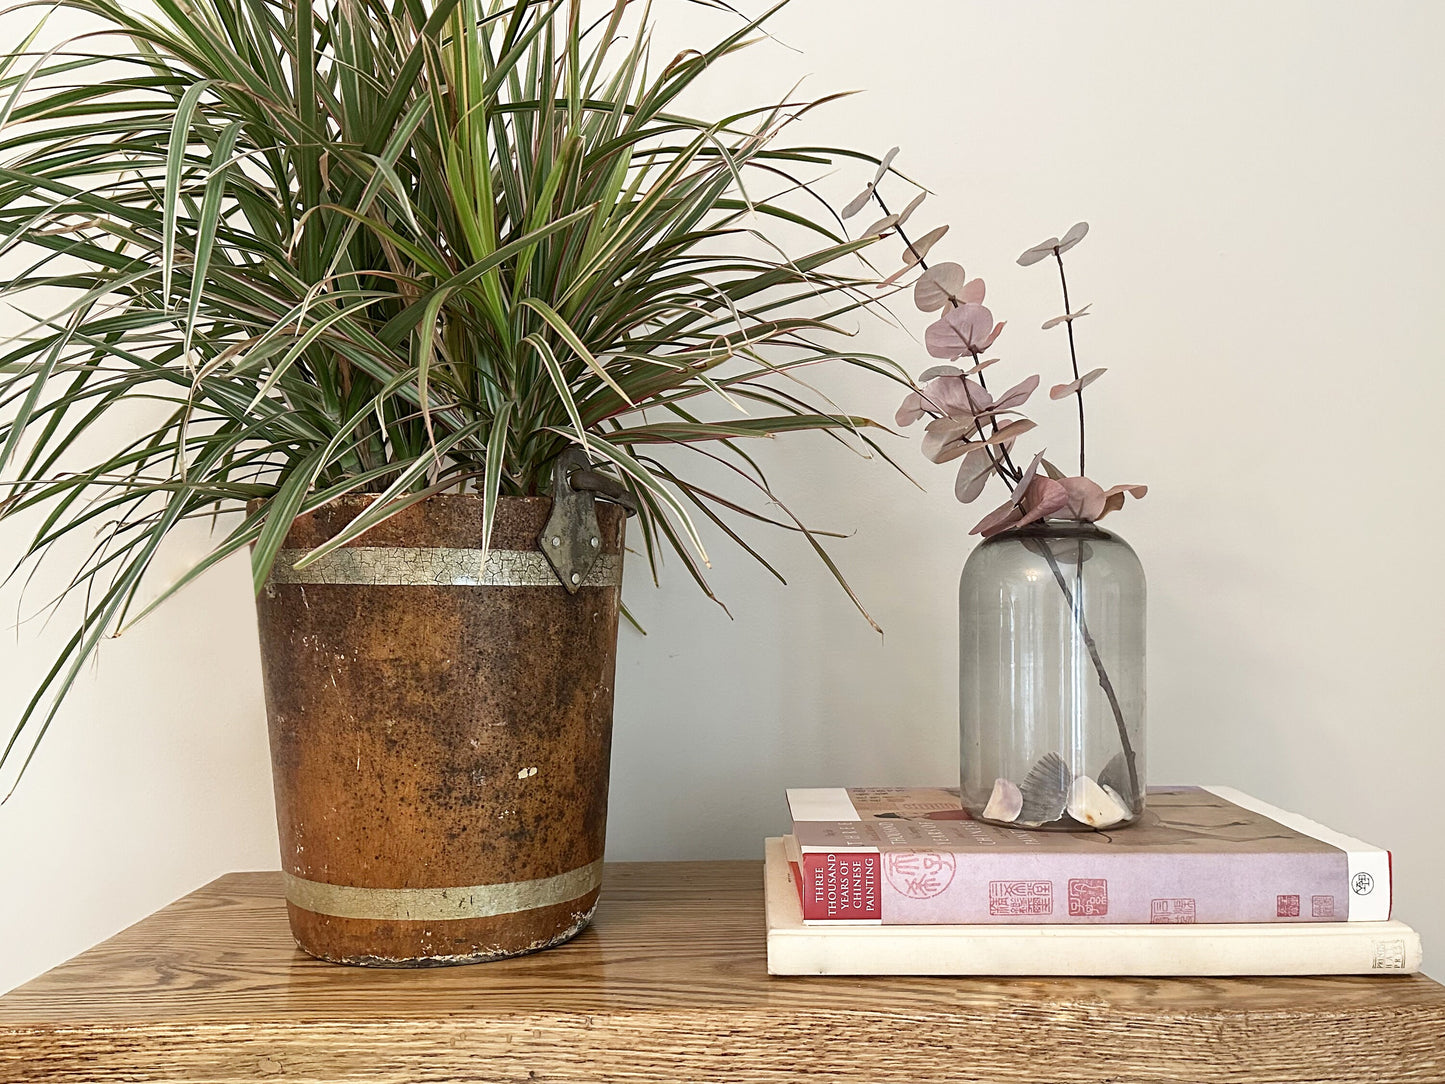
(399, 248)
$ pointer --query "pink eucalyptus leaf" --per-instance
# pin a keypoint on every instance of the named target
(1076, 233)
(911, 410)
(973, 290)
(981, 366)
(951, 451)
(942, 341)
(1017, 395)
(945, 439)
(966, 398)
(994, 414)
(1063, 391)
(1010, 432)
(1067, 318)
(1136, 491)
(858, 202)
(938, 285)
(1043, 498)
(883, 168)
(1026, 479)
(1040, 251)
(955, 398)
(993, 335)
(973, 475)
(1053, 471)
(1114, 497)
(920, 248)
(1000, 519)
(950, 426)
(887, 222)
(1085, 499)
(939, 370)
(891, 279)
(907, 212)
(971, 323)
(961, 330)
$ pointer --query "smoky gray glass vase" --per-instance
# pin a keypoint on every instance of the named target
(1051, 679)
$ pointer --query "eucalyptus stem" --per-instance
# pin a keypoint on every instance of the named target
(1073, 355)
(1075, 599)
(1076, 607)
(1007, 458)
(899, 227)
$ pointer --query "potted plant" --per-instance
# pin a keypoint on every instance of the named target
(431, 295)
(1051, 605)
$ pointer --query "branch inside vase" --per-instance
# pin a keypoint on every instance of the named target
(1076, 608)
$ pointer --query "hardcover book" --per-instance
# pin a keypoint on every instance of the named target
(842, 948)
(1198, 855)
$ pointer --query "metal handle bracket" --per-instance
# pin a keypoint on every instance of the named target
(572, 539)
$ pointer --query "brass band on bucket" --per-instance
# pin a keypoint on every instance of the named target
(409, 566)
(440, 904)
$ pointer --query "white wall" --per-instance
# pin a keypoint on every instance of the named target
(1263, 182)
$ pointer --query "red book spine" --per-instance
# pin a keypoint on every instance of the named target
(841, 885)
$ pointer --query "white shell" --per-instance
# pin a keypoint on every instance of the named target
(1114, 794)
(1004, 803)
(1094, 805)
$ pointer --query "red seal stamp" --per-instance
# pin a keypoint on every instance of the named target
(1020, 898)
(919, 875)
(1286, 907)
(1171, 910)
(1088, 897)
(1322, 907)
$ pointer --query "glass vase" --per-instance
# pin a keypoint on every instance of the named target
(1051, 679)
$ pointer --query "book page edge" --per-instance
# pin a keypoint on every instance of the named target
(821, 804)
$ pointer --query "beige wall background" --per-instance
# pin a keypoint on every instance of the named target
(1264, 186)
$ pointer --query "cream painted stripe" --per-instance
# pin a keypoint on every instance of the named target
(439, 904)
(406, 566)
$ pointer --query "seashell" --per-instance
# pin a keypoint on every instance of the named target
(1115, 777)
(1114, 794)
(1045, 791)
(1004, 803)
(1091, 804)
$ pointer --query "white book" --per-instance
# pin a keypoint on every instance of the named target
(1324, 948)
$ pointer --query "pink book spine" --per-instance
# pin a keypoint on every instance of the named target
(841, 886)
(938, 887)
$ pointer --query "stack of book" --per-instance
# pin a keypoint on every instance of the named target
(900, 881)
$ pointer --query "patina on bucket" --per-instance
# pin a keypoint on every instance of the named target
(440, 732)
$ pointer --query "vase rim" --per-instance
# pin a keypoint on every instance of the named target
(1069, 528)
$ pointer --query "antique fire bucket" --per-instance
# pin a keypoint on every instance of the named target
(441, 729)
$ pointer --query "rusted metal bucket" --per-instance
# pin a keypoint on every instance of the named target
(440, 732)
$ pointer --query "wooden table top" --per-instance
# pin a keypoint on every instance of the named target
(669, 984)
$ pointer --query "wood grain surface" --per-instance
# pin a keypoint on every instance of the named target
(669, 984)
